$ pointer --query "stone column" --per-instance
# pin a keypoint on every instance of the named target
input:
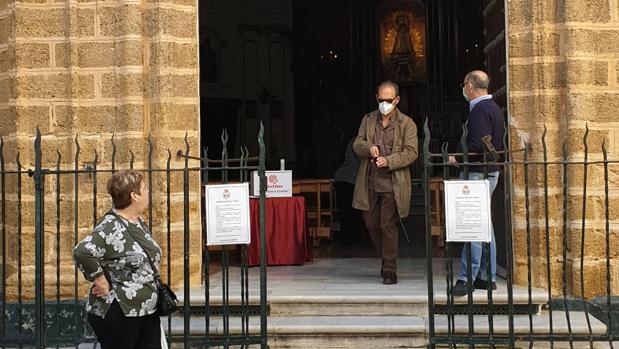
(91, 69)
(563, 66)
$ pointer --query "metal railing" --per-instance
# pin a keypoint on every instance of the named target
(559, 300)
(42, 310)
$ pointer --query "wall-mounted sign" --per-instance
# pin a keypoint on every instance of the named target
(227, 214)
(467, 211)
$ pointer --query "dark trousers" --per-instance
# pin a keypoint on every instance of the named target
(118, 331)
(350, 218)
(381, 220)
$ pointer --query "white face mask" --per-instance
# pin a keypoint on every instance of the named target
(385, 108)
(466, 98)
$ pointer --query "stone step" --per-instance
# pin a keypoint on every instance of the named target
(363, 332)
(380, 331)
(541, 324)
(362, 302)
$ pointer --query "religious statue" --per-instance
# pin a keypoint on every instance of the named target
(403, 51)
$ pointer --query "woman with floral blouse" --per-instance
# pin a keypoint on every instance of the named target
(122, 301)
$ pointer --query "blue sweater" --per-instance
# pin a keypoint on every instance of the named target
(486, 118)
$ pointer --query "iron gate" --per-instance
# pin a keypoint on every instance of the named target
(46, 210)
(456, 315)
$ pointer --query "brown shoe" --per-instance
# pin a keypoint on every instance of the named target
(390, 278)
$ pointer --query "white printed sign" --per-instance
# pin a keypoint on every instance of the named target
(227, 214)
(467, 211)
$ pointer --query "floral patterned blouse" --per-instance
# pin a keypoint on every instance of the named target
(113, 250)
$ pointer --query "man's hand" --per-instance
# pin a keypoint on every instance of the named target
(452, 160)
(374, 151)
(382, 162)
(100, 286)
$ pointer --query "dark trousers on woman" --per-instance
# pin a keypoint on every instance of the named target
(118, 331)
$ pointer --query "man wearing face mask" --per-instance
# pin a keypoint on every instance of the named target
(485, 118)
(386, 145)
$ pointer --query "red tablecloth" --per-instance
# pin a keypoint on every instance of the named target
(287, 239)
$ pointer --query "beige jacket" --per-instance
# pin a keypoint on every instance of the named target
(404, 152)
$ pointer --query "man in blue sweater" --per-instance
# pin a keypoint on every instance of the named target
(485, 118)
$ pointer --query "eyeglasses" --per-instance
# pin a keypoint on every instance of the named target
(388, 100)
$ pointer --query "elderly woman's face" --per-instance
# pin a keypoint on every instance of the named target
(140, 200)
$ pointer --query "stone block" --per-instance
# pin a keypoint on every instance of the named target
(177, 211)
(83, 22)
(534, 12)
(167, 21)
(534, 44)
(594, 107)
(54, 22)
(592, 280)
(7, 30)
(162, 143)
(62, 119)
(172, 54)
(174, 2)
(531, 110)
(538, 235)
(32, 55)
(594, 243)
(589, 41)
(122, 20)
(593, 204)
(597, 11)
(41, 22)
(170, 116)
(536, 207)
(7, 59)
(109, 54)
(174, 85)
(551, 144)
(60, 86)
(587, 72)
(121, 85)
(539, 274)
(124, 147)
(595, 177)
(595, 139)
(107, 119)
(97, 54)
(176, 183)
(7, 121)
(526, 77)
(29, 118)
(7, 89)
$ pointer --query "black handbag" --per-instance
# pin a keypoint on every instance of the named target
(166, 299)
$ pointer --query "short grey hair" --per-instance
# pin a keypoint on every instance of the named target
(478, 79)
(388, 83)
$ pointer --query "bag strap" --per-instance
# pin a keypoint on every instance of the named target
(152, 265)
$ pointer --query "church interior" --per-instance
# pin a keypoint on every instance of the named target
(308, 71)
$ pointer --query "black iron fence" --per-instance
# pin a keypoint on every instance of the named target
(45, 210)
(513, 315)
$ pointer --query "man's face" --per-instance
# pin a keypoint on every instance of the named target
(387, 94)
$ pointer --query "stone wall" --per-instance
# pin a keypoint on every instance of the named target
(564, 75)
(88, 70)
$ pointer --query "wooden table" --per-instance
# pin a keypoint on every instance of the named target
(317, 187)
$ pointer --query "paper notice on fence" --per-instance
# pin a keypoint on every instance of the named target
(467, 211)
(227, 214)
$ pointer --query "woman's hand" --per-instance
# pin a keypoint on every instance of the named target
(100, 286)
